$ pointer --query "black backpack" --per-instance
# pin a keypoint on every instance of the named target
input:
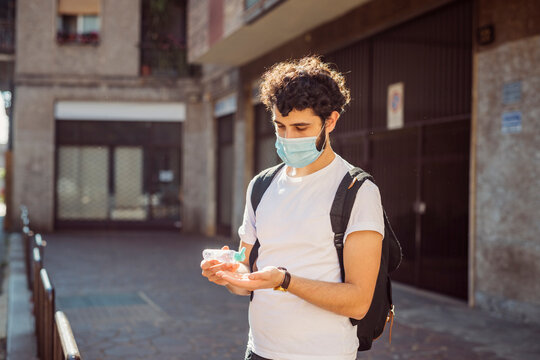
(381, 309)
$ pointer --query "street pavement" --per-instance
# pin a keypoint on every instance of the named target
(140, 295)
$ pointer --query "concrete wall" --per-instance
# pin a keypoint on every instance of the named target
(198, 30)
(199, 26)
(508, 164)
(200, 162)
(233, 14)
(117, 53)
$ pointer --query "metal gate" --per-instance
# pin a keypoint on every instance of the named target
(225, 166)
(115, 174)
(421, 167)
(265, 139)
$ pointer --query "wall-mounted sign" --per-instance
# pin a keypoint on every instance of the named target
(511, 92)
(486, 34)
(225, 106)
(166, 176)
(511, 122)
(394, 117)
(120, 111)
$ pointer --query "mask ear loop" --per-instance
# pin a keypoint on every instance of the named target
(325, 137)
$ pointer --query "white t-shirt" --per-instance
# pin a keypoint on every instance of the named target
(293, 226)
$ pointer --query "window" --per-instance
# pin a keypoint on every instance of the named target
(78, 21)
(250, 3)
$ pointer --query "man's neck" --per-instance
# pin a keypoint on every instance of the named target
(322, 161)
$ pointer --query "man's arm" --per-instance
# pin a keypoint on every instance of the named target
(361, 258)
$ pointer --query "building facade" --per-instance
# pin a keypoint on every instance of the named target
(444, 116)
(100, 100)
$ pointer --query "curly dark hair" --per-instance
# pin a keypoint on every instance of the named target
(304, 83)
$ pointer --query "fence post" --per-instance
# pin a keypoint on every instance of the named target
(36, 296)
(47, 313)
(65, 347)
(27, 235)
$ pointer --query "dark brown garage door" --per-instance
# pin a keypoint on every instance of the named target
(421, 167)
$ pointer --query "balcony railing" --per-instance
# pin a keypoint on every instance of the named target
(255, 9)
(7, 37)
(165, 59)
(74, 38)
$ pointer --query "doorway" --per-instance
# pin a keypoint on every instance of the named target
(225, 166)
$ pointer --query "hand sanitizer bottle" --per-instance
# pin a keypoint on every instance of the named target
(225, 256)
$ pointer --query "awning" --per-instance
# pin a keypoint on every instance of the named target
(120, 111)
(79, 7)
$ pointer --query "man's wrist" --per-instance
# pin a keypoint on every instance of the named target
(285, 280)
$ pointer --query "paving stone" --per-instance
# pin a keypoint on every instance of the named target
(177, 314)
(131, 350)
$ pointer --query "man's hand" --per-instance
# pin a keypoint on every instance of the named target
(211, 267)
(269, 277)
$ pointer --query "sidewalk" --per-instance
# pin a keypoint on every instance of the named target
(20, 333)
(141, 296)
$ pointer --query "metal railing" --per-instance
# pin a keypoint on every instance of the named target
(164, 59)
(64, 345)
(46, 304)
(55, 340)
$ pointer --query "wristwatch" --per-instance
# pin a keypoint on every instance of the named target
(286, 280)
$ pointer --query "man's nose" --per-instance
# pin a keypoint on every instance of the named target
(285, 135)
(288, 134)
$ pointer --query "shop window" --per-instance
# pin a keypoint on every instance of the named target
(78, 21)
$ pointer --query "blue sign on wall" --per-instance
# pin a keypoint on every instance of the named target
(512, 92)
(511, 122)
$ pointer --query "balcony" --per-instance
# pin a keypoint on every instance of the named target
(163, 40)
(164, 58)
(254, 9)
(263, 26)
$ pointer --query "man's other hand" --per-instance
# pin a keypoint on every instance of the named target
(211, 267)
(267, 278)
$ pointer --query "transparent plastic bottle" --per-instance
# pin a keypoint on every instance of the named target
(224, 256)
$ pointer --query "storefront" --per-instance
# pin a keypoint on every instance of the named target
(116, 167)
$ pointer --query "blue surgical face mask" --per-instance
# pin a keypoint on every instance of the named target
(298, 152)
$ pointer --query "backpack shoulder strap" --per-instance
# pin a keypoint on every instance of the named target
(342, 207)
(261, 184)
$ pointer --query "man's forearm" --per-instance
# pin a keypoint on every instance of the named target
(341, 298)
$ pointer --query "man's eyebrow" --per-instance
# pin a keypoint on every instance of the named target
(294, 124)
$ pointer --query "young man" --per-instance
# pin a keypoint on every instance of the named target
(310, 320)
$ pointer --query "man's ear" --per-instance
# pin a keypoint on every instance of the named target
(331, 121)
